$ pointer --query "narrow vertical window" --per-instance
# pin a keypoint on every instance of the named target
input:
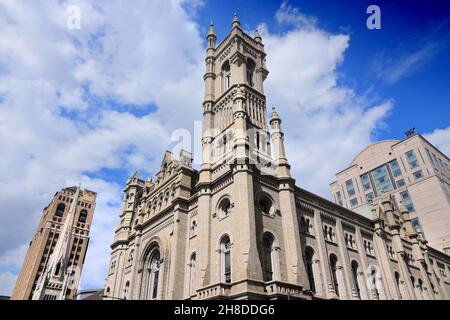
(192, 266)
(154, 275)
(83, 216)
(125, 291)
(355, 278)
(309, 254)
(333, 266)
(268, 266)
(60, 210)
(226, 259)
(226, 74)
(250, 70)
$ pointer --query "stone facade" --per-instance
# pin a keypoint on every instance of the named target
(70, 213)
(239, 228)
(412, 171)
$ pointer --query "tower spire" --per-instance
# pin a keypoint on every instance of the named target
(235, 23)
(211, 36)
(257, 36)
(278, 145)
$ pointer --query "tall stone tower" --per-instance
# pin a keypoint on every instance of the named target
(237, 149)
(54, 260)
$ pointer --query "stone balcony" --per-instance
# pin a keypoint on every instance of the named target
(216, 291)
(277, 289)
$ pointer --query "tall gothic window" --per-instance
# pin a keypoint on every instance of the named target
(60, 210)
(125, 290)
(193, 230)
(192, 265)
(226, 74)
(153, 272)
(250, 71)
(333, 266)
(225, 207)
(83, 216)
(268, 259)
(265, 205)
(399, 285)
(309, 254)
(374, 283)
(58, 268)
(355, 277)
(225, 248)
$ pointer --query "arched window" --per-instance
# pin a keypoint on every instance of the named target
(355, 278)
(153, 272)
(373, 277)
(225, 249)
(60, 210)
(192, 265)
(83, 216)
(125, 290)
(225, 207)
(399, 286)
(309, 255)
(333, 266)
(250, 71)
(108, 291)
(268, 257)
(57, 268)
(302, 224)
(265, 205)
(226, 74)
(193, 230)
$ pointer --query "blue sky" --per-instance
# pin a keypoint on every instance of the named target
(95, 104)
(407, 28)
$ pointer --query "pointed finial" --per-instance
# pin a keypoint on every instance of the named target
(236, 22)
(257, 36)
(274, 116)
(211, 31)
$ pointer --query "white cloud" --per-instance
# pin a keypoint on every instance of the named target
(75, 101)
(325, 123)
(392, 68)
(440, 138)
(291, 15)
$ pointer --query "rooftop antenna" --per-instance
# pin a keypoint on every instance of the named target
(410, 132)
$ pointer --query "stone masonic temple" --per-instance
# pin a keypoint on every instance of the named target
(240, 228)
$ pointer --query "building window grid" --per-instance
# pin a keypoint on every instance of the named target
(368, 247)
(418, 175)
(365, 180)
(412, 159)
(328, 233)
(407, 201)
(350, 240)
(400, 183)
(382, 179)
(395, 168)
(350, 188)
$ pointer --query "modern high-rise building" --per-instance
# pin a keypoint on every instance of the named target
(240, 228)
(414, 172)
(54, 260)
